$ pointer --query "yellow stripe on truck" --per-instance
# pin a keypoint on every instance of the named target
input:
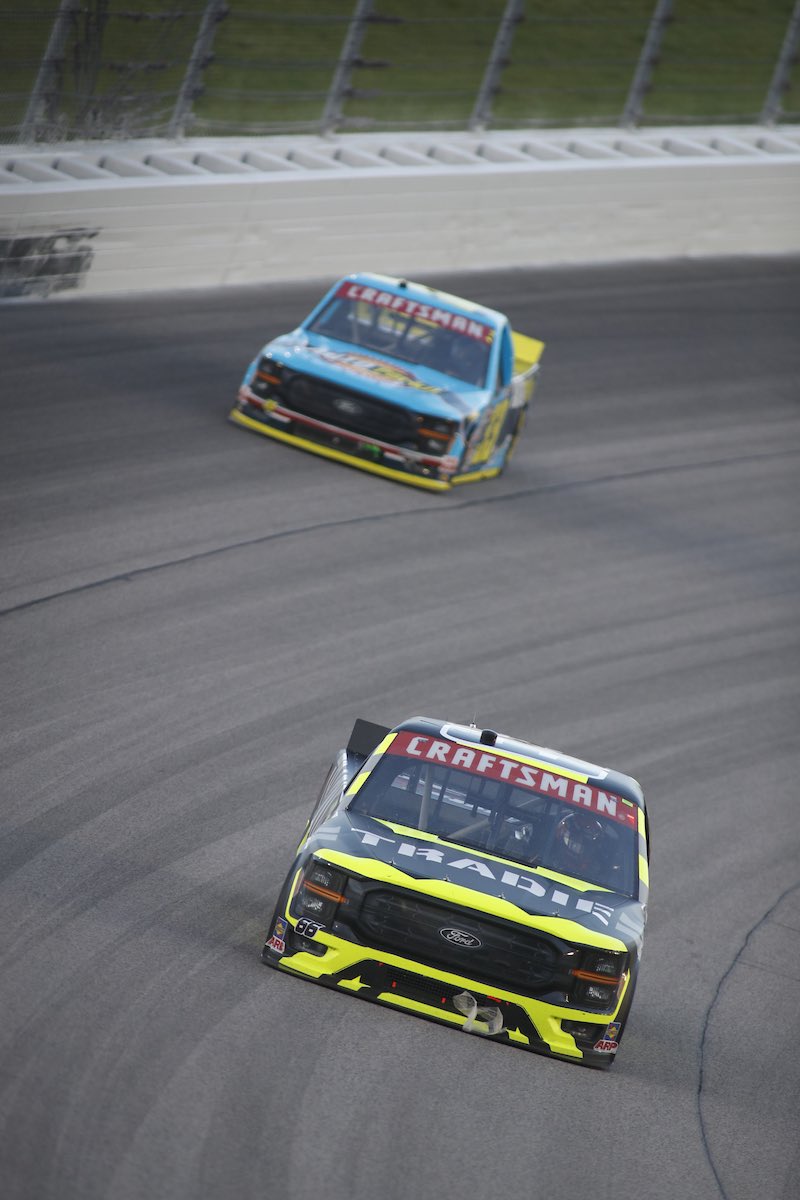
(383, 746)
(291, 439)
(474, 476)
(370, 764)
(357, 782)
(578, 885)
(644, 870)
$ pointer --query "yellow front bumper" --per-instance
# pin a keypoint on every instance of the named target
(344, 964)
(352, 460)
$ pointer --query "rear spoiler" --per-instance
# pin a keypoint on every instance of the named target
(365, 737)
(527, 352)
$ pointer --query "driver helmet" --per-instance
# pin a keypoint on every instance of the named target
(468, 359)
(578, 835)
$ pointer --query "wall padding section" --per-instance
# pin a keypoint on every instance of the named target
(144, 234)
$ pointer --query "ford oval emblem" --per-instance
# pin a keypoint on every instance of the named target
(345, 405)
(458, 937)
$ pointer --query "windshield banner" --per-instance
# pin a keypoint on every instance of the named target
(545, 781)
(456, 322)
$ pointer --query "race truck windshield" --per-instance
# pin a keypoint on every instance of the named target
(452, 343)
(507, 808)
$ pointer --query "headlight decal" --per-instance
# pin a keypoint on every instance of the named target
(599, 979)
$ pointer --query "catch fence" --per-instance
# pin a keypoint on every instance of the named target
(109, 69)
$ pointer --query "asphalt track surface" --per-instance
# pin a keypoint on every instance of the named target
(192, 618)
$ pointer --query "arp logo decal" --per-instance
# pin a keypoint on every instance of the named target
(278, 940)
(459, 937)
(609, 1042)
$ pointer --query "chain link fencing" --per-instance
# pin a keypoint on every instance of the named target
(84, 69)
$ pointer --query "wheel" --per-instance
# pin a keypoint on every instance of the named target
(515, 436)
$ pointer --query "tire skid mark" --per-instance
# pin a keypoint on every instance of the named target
(735, 961)
(371, 518)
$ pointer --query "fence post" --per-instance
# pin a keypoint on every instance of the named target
(498, 59)
(647, 60)
(771, 111)
(53, 55)
(215, 11)
(332, 113)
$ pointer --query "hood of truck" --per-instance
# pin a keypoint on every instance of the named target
(457, 874)
(407, 385)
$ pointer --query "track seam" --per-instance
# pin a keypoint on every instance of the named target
(439, 508)
(706, 1022)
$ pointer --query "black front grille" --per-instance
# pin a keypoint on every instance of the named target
(350, 410)
(476, 947)
(419, 987)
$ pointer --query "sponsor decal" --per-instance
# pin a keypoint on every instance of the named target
(308, 929)
(604, 1046)
(459, 937)
(277, 942)
(374, 369)
(601, 911)
(457, 322)
(612, 1031)
(487, 436)
(494, 874)
(547, 782)
(41, 262)
(485, 876)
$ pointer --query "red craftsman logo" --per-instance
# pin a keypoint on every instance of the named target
(545, 780)
(457, 322)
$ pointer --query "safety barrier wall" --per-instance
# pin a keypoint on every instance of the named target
(144, 216)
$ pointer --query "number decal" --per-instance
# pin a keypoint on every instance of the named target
(308, 929)
(491, 433)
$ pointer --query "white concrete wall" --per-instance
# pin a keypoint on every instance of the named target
(156, 231)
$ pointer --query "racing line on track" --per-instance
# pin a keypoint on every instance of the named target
(540, 489)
